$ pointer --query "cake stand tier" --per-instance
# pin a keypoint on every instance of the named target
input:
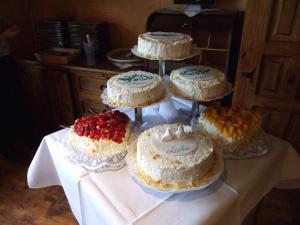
(205, 102)
(137, 109)
(197, 184)
(195, 51)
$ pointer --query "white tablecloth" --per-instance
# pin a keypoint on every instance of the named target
(116, 198)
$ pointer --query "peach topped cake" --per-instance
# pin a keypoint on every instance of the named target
(229, 128)
(103, 133)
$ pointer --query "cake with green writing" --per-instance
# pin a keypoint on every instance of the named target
(135, 88)
(198, 83)
(165, 45)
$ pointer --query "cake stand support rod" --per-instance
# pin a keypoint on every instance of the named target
(162, 68)
(195, 113)
(138, 115)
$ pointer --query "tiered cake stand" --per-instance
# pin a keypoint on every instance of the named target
(162, 69)
(162, 61)
(162, 65)
(138, 115)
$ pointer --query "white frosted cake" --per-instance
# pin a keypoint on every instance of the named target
(164, 45)
(171, 154)
(135, 88)
(198, 82)
(230, 129)
(107, 133)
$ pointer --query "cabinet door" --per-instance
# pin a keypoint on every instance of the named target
(60, 109)
(32, 85)
(268, 77)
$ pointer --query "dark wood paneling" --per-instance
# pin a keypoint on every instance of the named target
(285, 22)
(279, 78)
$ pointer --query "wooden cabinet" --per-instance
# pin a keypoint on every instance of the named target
(267, 77)
(57, 95)
(88, 86)
(48, 96)
(216, 32)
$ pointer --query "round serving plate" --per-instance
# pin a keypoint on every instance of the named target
(228, 91)
(195, 51)
(258, 148)
(97, 163)
(123, 55)
(201, 183)
(106, 101)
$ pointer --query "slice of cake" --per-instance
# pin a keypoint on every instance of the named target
(231, 129)
(106, 133)
(164, 45)
(172, 155)
(135, 88)
(198, 83)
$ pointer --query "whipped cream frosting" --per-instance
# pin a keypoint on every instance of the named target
(164, 45)
(173, 141)
(192, 156)
(101, 147)
(198, 82)
(135, 88)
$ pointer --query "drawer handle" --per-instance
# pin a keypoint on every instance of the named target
(186, 25)
(102, 87)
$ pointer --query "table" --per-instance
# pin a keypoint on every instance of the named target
(116, 198)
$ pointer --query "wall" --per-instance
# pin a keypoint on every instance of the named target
(127, 18)
(18, 12)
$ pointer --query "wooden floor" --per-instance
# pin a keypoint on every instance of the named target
(20, 205)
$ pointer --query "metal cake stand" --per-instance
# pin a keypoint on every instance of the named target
(161, 70)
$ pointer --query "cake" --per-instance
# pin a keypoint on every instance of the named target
(171, 155)
(230, 129)
(135, 88)
(107, 133)
(164, 45)
(198, 83)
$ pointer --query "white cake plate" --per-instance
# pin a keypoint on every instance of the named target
(196, 103)
(195, 51)
(204, 182)
(137, 109)
(258, 148)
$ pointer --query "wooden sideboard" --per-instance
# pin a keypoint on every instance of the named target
(57, 94)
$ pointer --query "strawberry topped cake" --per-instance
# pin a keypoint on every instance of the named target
(229, 128)
(106, 133)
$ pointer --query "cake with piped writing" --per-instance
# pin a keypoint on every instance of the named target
(107, 133)
(229, 128)
(164, 45)
(135, 88)
(198, 83)
(171, 155)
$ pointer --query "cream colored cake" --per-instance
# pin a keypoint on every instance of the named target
(135, 88)
(198, 82)
(231, 129)
(164, 45)
(103, 134)
(173, 154)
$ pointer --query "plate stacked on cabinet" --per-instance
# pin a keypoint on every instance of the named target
(97, 31)
(52, 34)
